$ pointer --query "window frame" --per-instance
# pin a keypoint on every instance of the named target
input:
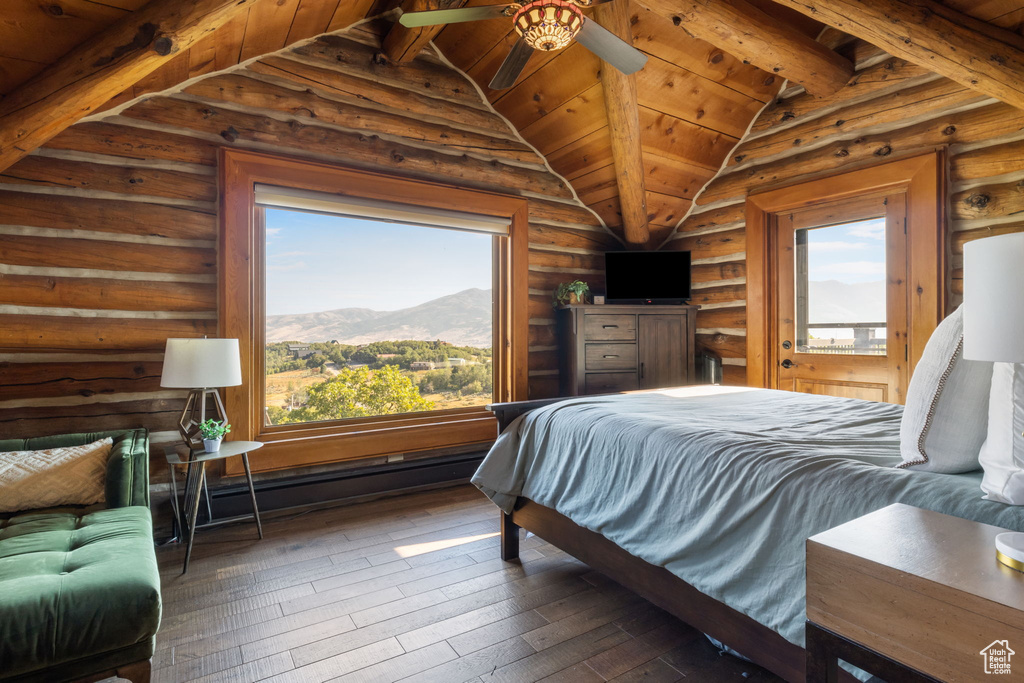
(242, 302)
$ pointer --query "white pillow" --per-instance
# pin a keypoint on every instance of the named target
(946, 416)
(72, 475)
(1002, 456)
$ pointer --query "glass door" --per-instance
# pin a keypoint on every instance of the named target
(841, 299)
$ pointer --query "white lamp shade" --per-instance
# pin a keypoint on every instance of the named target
(994, 299)
(199, 363)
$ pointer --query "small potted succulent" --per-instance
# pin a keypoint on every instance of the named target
(574, 292)
(213, 433)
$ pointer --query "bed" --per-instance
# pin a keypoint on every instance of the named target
(700, 498)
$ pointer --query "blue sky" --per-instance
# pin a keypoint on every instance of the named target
(319, 263)
(852, 252)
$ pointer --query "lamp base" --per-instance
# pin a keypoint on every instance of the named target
(195, 407)
(1010, 550)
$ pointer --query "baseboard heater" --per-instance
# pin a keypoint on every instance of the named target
(279, 494)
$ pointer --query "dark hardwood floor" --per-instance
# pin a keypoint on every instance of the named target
(410, 588)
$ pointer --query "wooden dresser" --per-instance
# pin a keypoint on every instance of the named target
(913, 595)
(609, 348)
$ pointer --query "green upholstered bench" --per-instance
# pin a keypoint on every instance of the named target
(79, 587)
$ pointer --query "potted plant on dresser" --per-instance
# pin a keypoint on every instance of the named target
(575, 292)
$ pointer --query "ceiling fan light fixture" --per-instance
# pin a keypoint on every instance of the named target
(548, 24)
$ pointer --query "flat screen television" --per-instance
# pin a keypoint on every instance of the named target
(647, 277)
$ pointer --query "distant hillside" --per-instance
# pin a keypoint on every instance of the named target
(464, 319)
(833, 301)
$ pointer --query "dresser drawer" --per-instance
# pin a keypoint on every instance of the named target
(608, 382)
(610, 357)
(609, 327)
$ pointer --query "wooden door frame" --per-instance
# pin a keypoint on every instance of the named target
(922, 178)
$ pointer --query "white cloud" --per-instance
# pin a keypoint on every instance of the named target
(838, 246)
(849, 268)
(869, 230)
(284, 267)
(288, 254)
(272, 232)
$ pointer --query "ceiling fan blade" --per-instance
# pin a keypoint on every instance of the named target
(513, 65)
(610, 48)
(452, 16)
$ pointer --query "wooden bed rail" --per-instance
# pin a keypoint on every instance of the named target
(656, 584)
(507, 412)
(659, 586)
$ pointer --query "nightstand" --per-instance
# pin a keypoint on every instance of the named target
(187, 516)
(912, 595)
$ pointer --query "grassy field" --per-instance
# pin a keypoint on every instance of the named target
(443, 402)
(299, 380)
(282, 384)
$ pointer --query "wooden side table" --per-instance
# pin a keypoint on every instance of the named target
(195, 483)
(911, 595)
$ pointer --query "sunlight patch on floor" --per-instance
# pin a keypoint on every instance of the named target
(421, 548)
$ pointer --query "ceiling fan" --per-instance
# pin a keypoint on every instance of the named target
(546, 25)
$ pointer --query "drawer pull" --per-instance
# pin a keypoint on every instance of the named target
(610, 356)
(610, 327)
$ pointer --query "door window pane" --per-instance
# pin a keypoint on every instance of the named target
(367, 318)
(840, 289)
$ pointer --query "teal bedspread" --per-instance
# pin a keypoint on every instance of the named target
(722, 486)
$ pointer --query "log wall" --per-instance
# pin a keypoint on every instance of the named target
(108, 235)
(890, 109)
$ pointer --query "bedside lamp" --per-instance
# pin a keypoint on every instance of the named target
(994, 331)
(201, 366)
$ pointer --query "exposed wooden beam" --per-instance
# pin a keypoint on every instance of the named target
(973, 53)
(624, 125)
(745, 31)
(402, 44)
(100, 68)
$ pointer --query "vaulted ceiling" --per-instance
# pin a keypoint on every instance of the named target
(693, 100)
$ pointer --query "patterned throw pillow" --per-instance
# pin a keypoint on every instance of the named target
(71, 475)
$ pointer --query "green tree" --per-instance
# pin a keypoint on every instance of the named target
(364, 356)
(276, 415)
(280, 359)
(361, 393)
(463, 381)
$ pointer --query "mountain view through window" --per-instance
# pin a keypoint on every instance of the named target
(841, 289)
(368, 318)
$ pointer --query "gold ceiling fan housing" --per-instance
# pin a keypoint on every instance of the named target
(544, 25)
(548, 25)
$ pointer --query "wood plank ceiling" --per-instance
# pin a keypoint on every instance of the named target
(36, 33)
(695, 100)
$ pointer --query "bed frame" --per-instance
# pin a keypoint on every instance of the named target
(656, 584)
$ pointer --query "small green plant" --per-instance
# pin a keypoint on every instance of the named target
(212, 429)
(567, 291)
